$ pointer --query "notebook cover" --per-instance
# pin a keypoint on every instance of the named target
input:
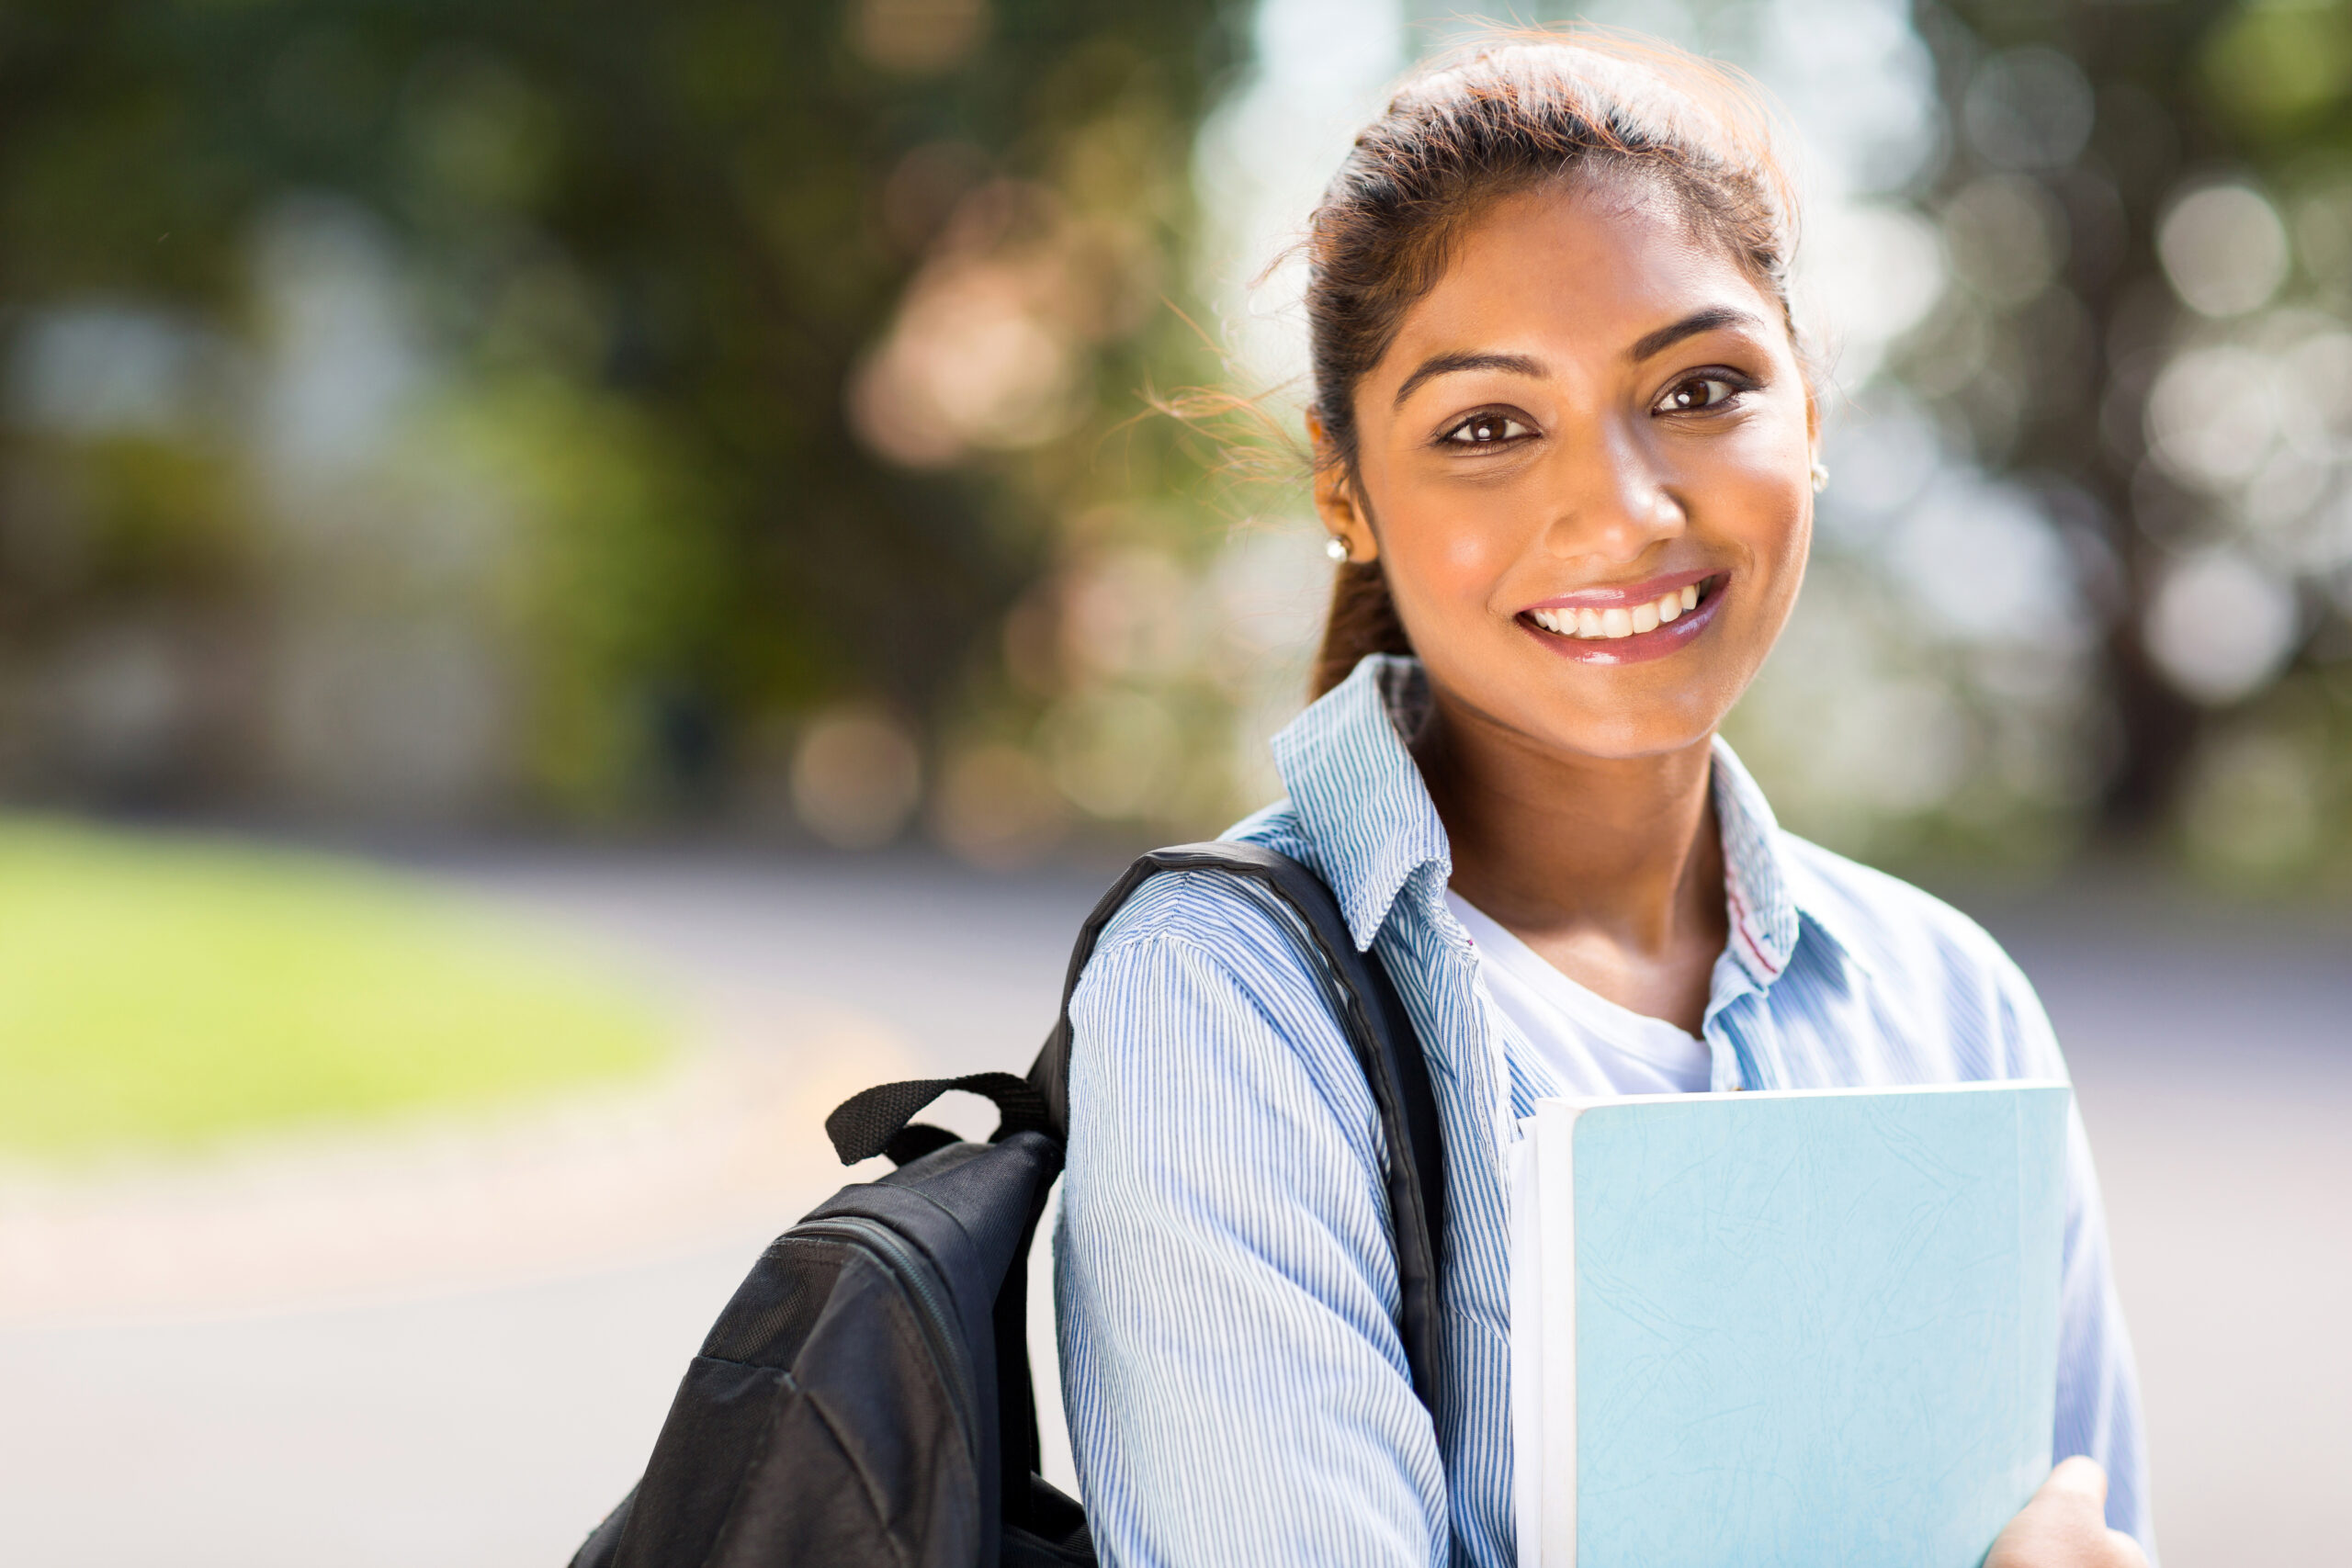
(1809, 1327)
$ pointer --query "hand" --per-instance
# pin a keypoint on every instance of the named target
(2066, 1526)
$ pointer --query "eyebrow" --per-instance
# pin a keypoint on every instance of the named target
(1707, 321)
(1449, 363)
(1712, 319)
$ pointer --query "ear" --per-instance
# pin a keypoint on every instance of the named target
(1335, 496)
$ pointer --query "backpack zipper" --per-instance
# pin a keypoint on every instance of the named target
(905, 1264)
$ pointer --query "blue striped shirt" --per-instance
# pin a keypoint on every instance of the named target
(1226, 1284)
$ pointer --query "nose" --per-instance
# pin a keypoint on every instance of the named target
(1608, 498)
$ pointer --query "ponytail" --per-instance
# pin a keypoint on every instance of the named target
(1362, 620)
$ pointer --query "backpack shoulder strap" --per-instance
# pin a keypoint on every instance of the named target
(1372, 1016)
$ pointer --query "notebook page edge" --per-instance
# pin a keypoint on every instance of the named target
(1552, 1466)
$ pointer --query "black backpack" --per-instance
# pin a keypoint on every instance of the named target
(864, 1400)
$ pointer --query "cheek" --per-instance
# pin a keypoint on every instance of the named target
(1762, 497)
(1453, 561)
(1790, 532)
(1779, 536)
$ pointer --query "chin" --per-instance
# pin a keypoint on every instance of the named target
(1624, 713)
(1623, 722)
(1618, 738)
(1613, 745)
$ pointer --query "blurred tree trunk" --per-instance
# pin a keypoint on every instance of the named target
(2082, 426)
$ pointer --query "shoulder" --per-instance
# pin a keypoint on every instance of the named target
(1923, 957)
(1199, 981)
(1212, 944)
(1883, 915)
(1222, 917)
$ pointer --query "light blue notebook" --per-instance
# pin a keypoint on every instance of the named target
(1801, 1329)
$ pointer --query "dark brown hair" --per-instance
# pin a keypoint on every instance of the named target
(1484, 123)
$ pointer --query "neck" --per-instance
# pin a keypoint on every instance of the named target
(1612, 856)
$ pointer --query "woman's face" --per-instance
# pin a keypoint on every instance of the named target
(1586, 459)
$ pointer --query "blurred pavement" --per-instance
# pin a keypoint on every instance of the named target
(477, 1405)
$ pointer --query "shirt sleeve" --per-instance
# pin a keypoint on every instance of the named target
(1225, 1276)
(2098, 1381)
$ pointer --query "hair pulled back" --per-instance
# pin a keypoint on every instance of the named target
(1488, 122)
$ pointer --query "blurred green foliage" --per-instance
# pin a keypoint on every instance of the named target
(599, 412)
(2114, 372)
(166, 993)
(640, 252)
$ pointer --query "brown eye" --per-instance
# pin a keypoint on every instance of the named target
(1486, 430)
(1697, 393)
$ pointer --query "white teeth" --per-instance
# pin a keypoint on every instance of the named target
(1619, 622)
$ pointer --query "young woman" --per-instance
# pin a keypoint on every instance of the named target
(1565, 442)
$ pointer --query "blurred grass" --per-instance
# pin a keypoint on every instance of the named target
(158, 995)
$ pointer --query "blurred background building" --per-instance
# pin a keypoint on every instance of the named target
(617, 464)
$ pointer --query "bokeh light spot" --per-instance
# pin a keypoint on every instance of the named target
(2028, 108)
(2224, 250)
(854, 777)
(2221, 625)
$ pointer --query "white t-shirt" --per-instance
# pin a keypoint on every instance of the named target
(1593, 1046)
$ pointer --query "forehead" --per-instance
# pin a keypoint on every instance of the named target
(1589, 264)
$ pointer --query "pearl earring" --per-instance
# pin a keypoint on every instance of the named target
(1336, 547)
(1820, 475)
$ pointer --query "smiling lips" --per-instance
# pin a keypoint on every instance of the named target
(1619, 620)
(1622, 626)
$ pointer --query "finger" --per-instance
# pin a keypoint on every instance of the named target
(2078, 1477)
(2127, 1552)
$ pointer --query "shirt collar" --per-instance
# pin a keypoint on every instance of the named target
(1359, 794)
(1764, 915)
(1362, 805)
